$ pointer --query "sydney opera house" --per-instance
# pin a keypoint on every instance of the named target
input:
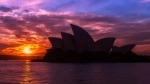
(81, 47)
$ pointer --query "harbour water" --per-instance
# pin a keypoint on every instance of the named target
(26, 72)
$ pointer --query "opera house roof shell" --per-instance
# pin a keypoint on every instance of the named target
(56, 42)
(104, 44)
(82, 41)
(123, 49)
(68, 42)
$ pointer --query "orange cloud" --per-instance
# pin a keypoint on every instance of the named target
(36, 50)
(34, 27)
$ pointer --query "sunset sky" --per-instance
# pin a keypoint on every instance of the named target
(28, 23)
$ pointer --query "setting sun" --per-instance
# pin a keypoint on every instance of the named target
(27, 50)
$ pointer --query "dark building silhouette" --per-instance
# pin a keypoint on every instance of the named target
(56, 42)
(81, 47)
(83, 40)
(68, 42)
(123, 49)
(104, 44)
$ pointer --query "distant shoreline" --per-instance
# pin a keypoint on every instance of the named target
(10, 57)
(140, 59)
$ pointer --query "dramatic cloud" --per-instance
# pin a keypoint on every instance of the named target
(5, 9)
(30, 23)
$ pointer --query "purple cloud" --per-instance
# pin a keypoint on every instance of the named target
(30, 22)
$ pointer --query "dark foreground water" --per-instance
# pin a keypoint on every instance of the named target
(25, 72)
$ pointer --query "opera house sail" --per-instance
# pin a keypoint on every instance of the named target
(68, 42)
(56, 42)
(123, 49)
(104, 44)
(84, 41)
(81, 47)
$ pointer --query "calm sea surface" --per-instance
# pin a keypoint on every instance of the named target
(26, 72)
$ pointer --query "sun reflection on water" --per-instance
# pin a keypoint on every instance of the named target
(26, 73)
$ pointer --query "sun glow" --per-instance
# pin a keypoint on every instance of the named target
(27, 50)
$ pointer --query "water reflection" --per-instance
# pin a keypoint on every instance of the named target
(26, 76)
(26, 72)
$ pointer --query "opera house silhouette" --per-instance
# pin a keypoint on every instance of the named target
(81, 47)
